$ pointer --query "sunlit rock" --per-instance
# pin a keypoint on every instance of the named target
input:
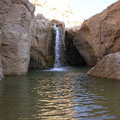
(99, 35)
(16, 22)
(40, 53)
(108, 67)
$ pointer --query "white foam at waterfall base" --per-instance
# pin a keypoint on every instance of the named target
(57, 69)
(60, 69)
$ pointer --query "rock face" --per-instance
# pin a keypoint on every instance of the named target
(99, 35)
(41, 41)
(24, 38)
(102, 31)
(83, 47)
(72, 54)
(108, 67)
(16, 21)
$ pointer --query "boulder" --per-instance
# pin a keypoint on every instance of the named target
(108, 67)
(17, 21)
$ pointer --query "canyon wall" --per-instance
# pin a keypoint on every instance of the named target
(16, 21)
(41, 43)
(102, 31)
(79, 38)
(26, 40)
(97, 37)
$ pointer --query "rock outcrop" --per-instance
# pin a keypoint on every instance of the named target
(43, 42)
(99, 35)
(108, 67)
(104, 38)
(40, 56)
(16, 21)
(102, 31)
(73, 56)
(83, 47)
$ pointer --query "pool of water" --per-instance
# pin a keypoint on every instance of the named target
(59, 95)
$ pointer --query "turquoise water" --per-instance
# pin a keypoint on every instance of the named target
(52, 95)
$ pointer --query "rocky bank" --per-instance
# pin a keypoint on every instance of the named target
(26, 40)
(97, 37)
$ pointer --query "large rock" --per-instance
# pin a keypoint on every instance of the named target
(41, 42)
(102, 31)
(108, 67)
(73, 56)
(16, 21)
(83, 47)
(99, 35)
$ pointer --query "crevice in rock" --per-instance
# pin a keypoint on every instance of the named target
(73, 57)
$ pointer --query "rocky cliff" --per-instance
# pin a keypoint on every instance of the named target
(104, 31)
(98, 37)
(40, 55)
(26, 40)
(16, 21)
(79, 38)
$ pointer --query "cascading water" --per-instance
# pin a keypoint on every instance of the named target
(59, 50)
(58, 47)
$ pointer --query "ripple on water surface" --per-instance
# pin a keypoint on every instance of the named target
(67, 95)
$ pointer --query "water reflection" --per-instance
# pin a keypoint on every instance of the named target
(67, 95)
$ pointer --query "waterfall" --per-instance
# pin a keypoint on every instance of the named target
(58, 47)
(59, 50)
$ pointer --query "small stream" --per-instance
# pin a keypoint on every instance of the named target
(59, 95)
